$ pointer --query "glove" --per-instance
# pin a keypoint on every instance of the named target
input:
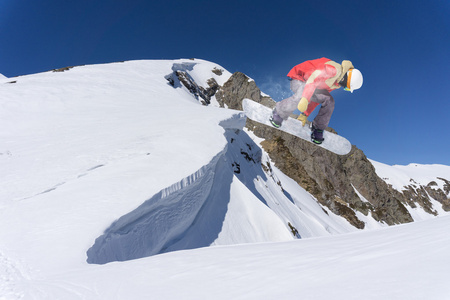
(303, 104)
(302, 118)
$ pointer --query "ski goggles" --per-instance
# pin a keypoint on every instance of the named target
(349, 80)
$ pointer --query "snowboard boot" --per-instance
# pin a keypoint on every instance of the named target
(275, 119)
(316, 135)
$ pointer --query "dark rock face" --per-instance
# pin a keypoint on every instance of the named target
(198, 91)
(238, 87)
(443, 196)
(330, 178)
(418, 194)
(180, 76)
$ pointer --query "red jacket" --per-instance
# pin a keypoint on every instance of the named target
(322, 73)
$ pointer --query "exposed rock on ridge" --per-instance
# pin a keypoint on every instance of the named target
(180, 76)
(238, 87)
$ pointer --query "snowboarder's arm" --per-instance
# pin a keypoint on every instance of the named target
(303, 104)
(310, 85)
(312, 105)
(305, 107)
(308, 91)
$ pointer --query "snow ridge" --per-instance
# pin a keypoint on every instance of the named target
(159, 222)
(165, 222)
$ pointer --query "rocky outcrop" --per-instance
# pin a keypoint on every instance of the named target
(185, 79)
(418, 194)
(181, 76)
(443, 196)
(332, 179)
(238, 87)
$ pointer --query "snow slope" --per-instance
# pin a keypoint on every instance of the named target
(416, 175)
(108, 163)
(402, 262)
(401, 176)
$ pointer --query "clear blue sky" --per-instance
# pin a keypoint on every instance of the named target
(399, 116)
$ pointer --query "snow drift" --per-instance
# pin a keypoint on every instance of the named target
(189, 214)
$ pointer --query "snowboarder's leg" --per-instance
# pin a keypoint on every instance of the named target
(323, 117)
(316, 135)
(286, 107)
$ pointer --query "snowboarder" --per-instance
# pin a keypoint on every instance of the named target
(312, 81)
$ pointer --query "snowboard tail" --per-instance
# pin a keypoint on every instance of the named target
(261, 114)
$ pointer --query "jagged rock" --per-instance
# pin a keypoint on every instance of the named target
(66, 68)
(196, 90)
(446, 185)
(386, 203)
(181, 77)
(443, 196)
(438, 194)
(62, 69)
(218, 72)
(238, 87)
(419, 195)
(212, 89)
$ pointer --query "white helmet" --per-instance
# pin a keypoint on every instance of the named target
(354, 80)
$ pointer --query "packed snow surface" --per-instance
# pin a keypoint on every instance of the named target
(107, 170)
(412, 174)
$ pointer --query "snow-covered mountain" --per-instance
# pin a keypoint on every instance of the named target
(119, 162)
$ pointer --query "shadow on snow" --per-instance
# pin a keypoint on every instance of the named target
(189, 214)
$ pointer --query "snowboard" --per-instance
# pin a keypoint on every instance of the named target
(261, 114)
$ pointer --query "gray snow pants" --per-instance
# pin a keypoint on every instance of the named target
(287, 106)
